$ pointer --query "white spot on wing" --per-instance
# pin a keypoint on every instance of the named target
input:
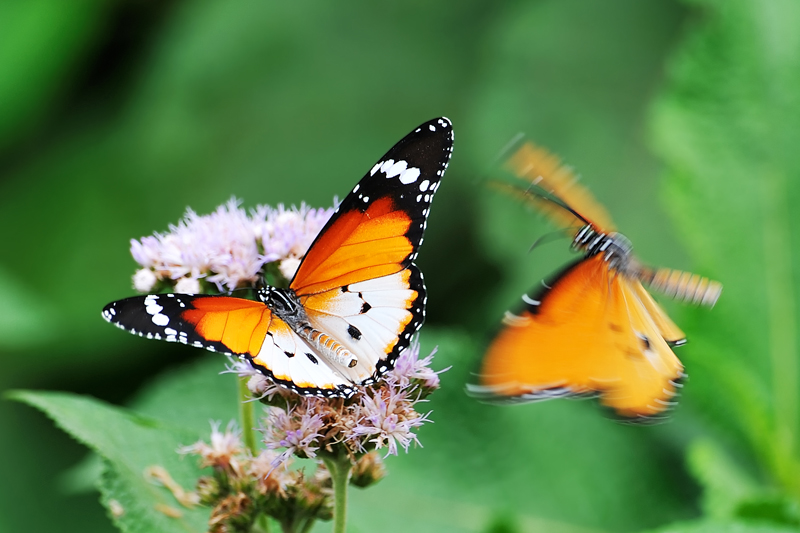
(386, 165)
(409, 175)
(397, 169)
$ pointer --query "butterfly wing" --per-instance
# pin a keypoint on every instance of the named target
(358, 281)
(545, 171)
(588, 334)
(233, 326)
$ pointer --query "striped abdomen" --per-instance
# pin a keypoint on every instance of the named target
(683, 286)
(328, 346)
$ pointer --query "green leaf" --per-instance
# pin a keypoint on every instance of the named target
(727, 128)
(192, 395)
(40, 45)
(725, 484)
(722, 527)
(22, 313)
(129, 443)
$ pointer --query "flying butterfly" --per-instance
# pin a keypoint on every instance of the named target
(593, 329)
(355, 301)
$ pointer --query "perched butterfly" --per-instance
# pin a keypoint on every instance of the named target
(593, 329)
(356, 298)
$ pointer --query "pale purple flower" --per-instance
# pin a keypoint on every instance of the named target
(188, 286)
(223, 450)
(268, 478)
(227, 247)
(409, 367)
(388, 415)
(297, 434)
(144, 280)
(288, 232)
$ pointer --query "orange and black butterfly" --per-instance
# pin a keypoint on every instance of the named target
(593, 329)
(355, 301)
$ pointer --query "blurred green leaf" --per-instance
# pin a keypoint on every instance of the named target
(722, 527)
(129, 443)
(727, 128)
(725, 484)
(22, 314)
(41, 45)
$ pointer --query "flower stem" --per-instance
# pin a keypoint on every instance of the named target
(339, 469)
(246, 416)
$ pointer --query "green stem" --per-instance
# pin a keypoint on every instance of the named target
(247, 417)
(339, 468)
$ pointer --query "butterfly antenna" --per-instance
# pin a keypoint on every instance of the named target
(548, 237)
(510, 146)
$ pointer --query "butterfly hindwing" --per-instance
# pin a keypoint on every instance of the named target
(374, 319)
(291, 362)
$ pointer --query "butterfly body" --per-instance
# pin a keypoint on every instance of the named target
(356, 298)
(593, 329)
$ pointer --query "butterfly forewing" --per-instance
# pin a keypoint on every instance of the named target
(378, 227)
(545, 171)
(358, 281)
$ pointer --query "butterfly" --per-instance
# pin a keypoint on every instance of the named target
(593, 329)
(355, 300)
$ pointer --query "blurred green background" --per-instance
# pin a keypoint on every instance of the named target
(682, 118)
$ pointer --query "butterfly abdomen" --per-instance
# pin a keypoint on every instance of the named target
(328, 346)
(684, 286)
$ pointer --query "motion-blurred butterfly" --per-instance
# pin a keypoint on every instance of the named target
(593, 329)
(356, 298)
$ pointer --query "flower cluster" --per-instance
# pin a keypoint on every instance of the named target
(227, 248)
(312, 446)
(312, 431)
(243, 487)
(380, 416)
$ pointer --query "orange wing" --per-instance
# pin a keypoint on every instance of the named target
(590, 333)
(358, 282)
(232, 326)
(543, 170)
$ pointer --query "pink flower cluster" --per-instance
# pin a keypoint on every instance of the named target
(383, 415)
(227, 247)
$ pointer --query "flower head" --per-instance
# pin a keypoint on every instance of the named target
(377, 416)
(223, 451)
(297, 433)
(227, 247)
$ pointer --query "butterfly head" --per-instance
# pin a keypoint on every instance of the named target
(616, 248)
(284, 303)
